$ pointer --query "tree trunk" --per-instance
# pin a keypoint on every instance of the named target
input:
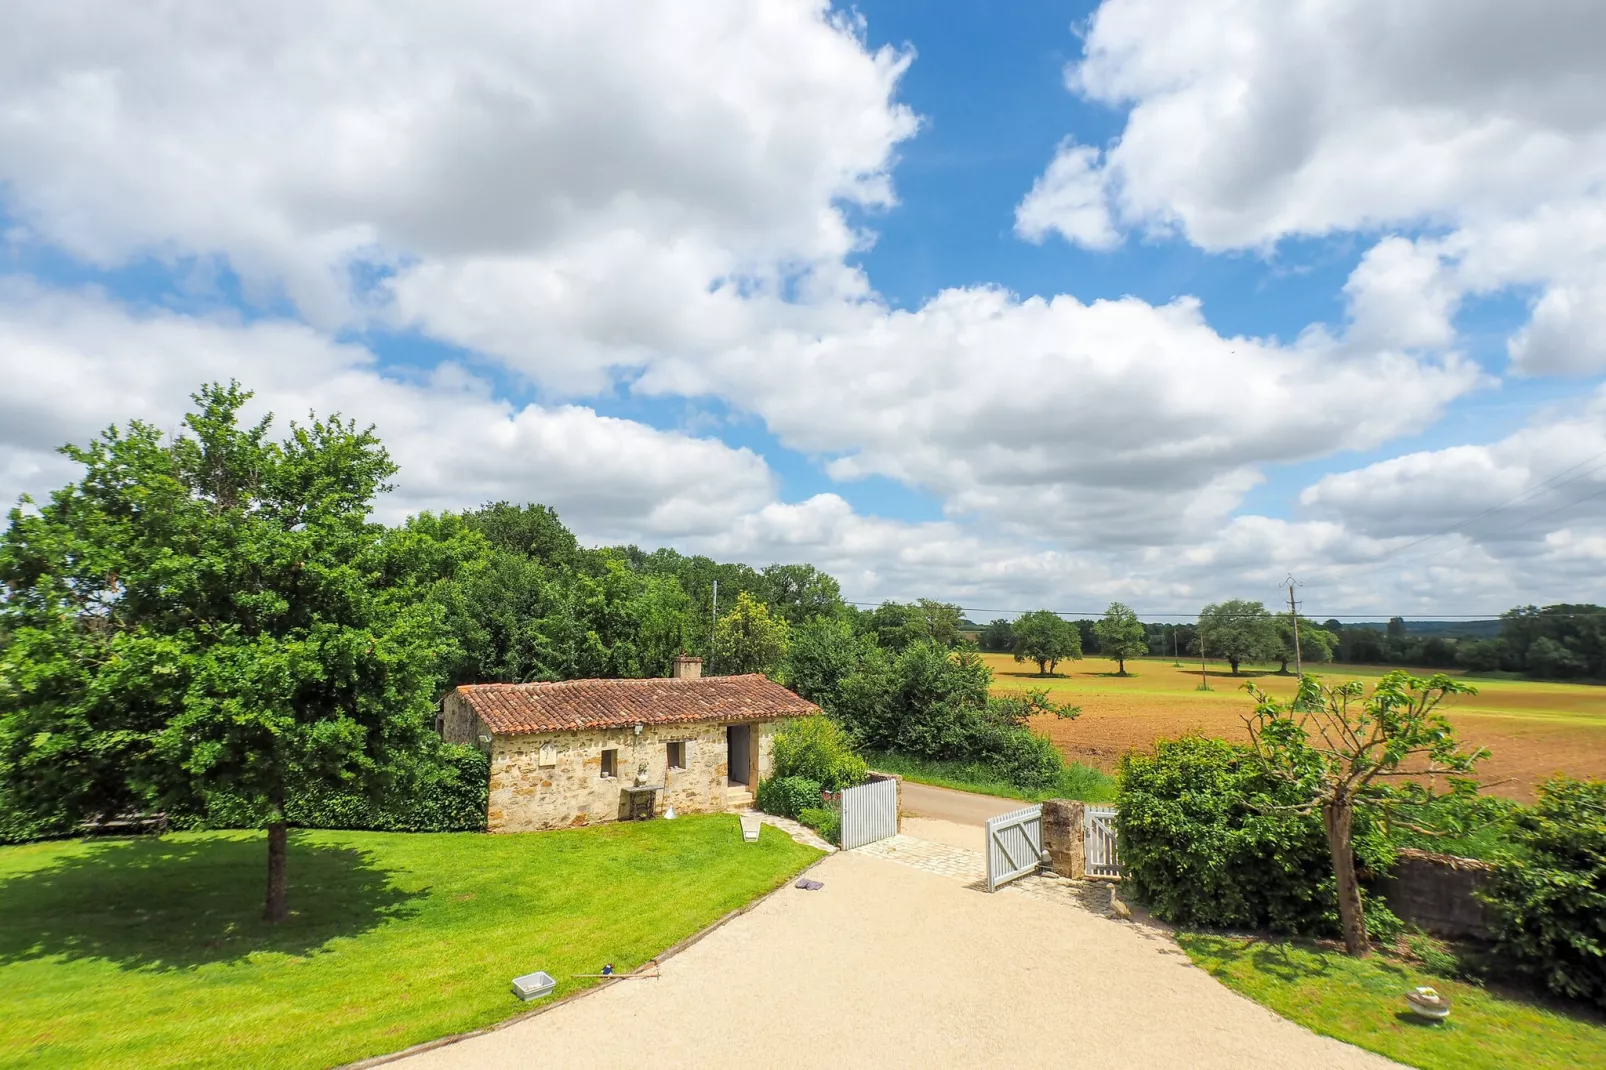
(1234, 663)
(1122, 663)
(278, 908)
(1042, 666)
(1338, 818)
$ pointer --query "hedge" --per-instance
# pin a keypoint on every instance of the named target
(1195, 850)
(1549, 897)
(449, 795)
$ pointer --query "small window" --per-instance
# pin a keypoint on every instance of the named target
(677, 755)
(610, 762)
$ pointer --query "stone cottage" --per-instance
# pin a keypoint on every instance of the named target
(584, 751)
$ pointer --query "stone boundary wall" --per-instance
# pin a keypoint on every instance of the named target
(1435, 893)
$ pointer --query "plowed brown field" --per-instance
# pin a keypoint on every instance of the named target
(1533, 729)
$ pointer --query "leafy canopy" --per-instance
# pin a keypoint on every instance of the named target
(749, 639)
(1121, 635)
(1045, 637)
(216, 613)
(1238, 631)
(1316, 644)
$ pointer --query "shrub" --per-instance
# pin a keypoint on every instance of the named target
(933, 704)
(1018, 754)
(1198, 854)
(828, 823)
(818, 749)
(788, 796)
(1549, 898)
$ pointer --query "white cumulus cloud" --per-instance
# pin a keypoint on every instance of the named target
(1251, 121)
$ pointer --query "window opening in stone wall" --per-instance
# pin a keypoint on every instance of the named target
(677, 755)
(610, 761)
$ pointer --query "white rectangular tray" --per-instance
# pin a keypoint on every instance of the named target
(534, 985)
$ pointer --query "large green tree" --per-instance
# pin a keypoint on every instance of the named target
(798, 593)
(1238, 631)
(1121, 635)
(1316, 644)
(896, 625)
(1045, 637)
(821, 654)
(216, 613)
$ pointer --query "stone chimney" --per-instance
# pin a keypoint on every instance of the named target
(687, 668)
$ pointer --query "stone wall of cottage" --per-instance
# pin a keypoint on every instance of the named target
(459, 724)
(554, 780)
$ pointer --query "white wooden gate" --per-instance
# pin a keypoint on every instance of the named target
(1014, 845)
(869, 813)
(1099, 836)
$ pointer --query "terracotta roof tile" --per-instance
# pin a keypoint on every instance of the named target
(518, 709)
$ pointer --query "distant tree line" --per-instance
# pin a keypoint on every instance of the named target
(1561, 642)
(1564, 641)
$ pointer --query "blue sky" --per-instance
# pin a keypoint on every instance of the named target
(913, 298)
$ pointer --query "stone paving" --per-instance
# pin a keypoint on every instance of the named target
(970, 869)
(967, 867)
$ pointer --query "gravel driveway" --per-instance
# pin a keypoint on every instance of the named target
(896, 966)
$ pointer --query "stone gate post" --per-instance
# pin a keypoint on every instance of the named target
(1063, 832)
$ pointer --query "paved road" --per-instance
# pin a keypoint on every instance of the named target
(960, 807)
(890, 965)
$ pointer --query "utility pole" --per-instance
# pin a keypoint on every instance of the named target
(1293, 617)
(1204, 681)
(713, 635)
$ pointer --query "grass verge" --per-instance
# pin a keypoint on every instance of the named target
(151, 953)
(1362, 1002)
(1076, 781)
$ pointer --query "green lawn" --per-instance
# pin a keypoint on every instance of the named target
(1076, 782)
(151, 952)
(1362, 1001)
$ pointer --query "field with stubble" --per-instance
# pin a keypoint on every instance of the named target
(1534, 729)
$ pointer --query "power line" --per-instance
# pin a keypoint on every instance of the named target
(1379, 615)
(1386, 559)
